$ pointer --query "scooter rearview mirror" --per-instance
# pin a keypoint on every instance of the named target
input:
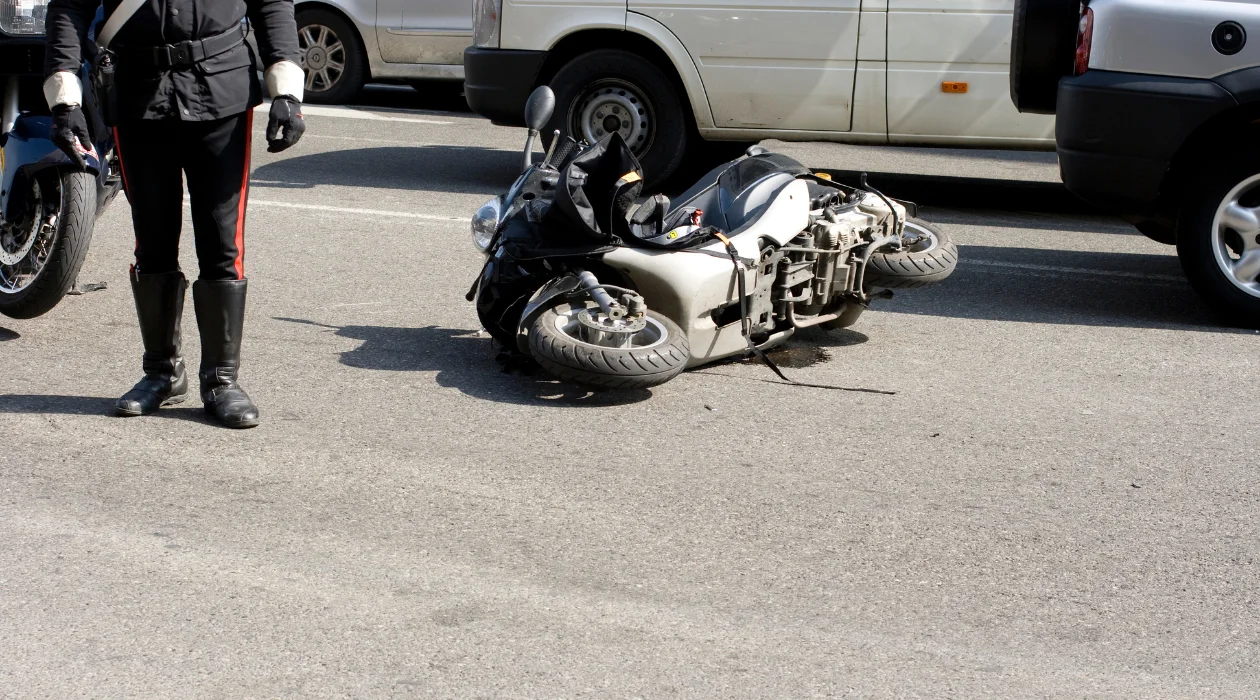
(539, 108)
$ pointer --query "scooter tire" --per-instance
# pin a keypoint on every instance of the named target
(914, 268)
(75, 221)
(597, 367)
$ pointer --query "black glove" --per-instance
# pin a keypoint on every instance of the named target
(286, 113)
(70, 133)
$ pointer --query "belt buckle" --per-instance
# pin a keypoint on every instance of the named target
(181, 54)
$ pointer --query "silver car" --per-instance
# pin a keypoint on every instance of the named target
(346, 43)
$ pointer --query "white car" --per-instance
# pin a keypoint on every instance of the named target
(667, 74)
(1157, 105)
(345, 43)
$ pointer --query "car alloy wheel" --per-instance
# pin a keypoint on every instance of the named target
(323, 57)
(1236, 236)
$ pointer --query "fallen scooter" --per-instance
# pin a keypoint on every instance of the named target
(608, 289)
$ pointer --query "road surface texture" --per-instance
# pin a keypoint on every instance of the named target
(1060, 500)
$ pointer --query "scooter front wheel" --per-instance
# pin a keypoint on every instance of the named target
(41, 252)
(566, 344)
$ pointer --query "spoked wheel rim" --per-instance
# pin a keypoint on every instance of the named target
(1236, 236)
(653, 333)
(26, 245)
(323, 57)
(609, 106)
(926, 239)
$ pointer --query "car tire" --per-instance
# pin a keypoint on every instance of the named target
(330, 47)
(1043, 50)
(611, 85)
(1210, 250)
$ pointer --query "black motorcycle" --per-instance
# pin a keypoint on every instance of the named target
(48, 206)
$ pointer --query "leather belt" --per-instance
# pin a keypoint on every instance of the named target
(184, 53)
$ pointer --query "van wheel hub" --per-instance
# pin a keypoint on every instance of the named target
(614, 107)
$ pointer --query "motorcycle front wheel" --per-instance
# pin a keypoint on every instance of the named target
(42, 250)
(655, 355)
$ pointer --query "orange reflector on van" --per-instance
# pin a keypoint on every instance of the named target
(948, 86)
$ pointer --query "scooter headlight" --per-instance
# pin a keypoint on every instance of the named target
(485, 222)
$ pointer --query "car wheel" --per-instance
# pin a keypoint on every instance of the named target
(1043, 48)
(1218, 239)
(609, 91)
(332, 56)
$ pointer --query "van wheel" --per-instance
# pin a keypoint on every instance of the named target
(1043, 48)
(332, 56)
(610, 90)
(1218, 239)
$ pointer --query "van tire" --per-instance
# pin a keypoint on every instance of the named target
(1043, 50)
(579, 82)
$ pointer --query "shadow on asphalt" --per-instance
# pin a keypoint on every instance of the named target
(1029, 220)
(190, 410)
(463, 360)
(424, 95)
(58, 404)
(6, 334)
(462, 169)
(1030, 285)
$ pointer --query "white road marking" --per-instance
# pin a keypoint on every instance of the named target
(350, 113)
(355, 210)
(1072, 270)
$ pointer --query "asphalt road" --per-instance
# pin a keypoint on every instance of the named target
(1060, 501)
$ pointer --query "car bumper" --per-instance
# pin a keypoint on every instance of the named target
(497, 82)
(1117, 133)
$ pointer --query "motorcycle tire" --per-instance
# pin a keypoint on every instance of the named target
(572, 360)
(917, 266)
(1043, 49)
(76, 217)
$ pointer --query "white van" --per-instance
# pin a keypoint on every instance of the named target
(667, 74)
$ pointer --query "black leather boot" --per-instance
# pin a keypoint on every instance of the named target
(220, 306)
(160, 306)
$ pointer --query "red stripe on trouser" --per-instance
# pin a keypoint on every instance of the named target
(122, 170)
(240, 206)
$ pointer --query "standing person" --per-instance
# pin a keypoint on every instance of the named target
(186, 85)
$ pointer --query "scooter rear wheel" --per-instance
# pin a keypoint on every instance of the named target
(39, 265)
(928, 261)
(658, 353)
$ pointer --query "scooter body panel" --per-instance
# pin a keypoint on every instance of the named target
(690, 286)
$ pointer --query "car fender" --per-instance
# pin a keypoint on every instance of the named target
(684, 64)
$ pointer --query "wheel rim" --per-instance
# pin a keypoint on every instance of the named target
(609, 106)
(323, 57)
(927, 241)
(26, 245)
(654, 332)
(1236, 236)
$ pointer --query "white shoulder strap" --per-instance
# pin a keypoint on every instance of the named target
(122, 13)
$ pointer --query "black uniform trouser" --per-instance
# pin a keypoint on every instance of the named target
(155, 156)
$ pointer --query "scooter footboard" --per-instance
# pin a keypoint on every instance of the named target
(691, 289)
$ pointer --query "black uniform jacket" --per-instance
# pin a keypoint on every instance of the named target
(216, 87)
